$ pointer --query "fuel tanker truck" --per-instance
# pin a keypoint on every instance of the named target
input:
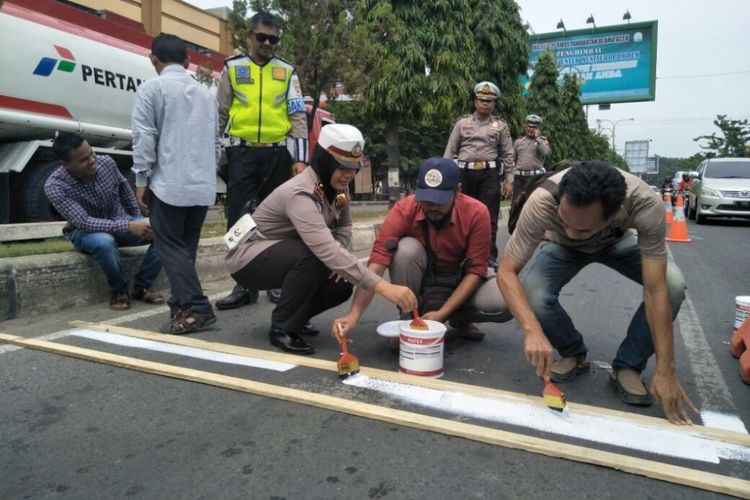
(66, 69)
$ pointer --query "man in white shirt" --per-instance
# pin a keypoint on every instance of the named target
(175, 153)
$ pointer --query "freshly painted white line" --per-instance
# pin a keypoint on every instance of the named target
(722, 421)
(193, 352)
(712, 388)
(601, 429)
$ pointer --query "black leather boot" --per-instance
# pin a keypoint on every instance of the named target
(239, 297)
(289, 341)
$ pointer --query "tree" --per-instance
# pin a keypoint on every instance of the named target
(735, 140)
(544, 97)
(502, 55)
(420, 62)
(315, 38)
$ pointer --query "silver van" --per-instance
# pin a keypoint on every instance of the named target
(721, 188)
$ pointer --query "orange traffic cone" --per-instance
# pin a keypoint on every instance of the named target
(668, 207)
(678, 232)
(680, 203)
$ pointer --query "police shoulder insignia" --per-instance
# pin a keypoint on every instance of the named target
(278, 73)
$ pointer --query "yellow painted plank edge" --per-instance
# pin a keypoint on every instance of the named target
(439, 384)
(649, 468)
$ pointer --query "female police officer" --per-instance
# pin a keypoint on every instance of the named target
(305, 228)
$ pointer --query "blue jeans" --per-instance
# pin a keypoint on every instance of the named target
(556, 265)
(104, 248)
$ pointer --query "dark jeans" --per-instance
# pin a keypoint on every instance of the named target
(556, 265)
(484, 185)
(519, 183)
(306, 290)
(177, 231)
(254, 173)
(104, 248)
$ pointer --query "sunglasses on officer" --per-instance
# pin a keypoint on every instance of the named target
(262, 38)
(484, 100)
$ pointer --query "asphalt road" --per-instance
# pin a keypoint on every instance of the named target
(78, 429)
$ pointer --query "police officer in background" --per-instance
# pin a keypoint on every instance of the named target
(260, 99)
(529, 152)
(483, 148)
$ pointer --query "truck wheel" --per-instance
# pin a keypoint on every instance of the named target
(34, 203)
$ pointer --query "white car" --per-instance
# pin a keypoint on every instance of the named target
(721, 188)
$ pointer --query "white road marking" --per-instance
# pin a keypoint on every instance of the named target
(192, 352)
(153, 311)
(50, 336)
(595, 428)
(710, 383)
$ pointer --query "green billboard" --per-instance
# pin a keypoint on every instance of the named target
(616, 63)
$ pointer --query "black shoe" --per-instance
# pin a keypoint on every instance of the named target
(309, 330)
(274, 295)
(289, 341)
(238, 298)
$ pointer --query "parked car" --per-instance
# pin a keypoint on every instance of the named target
(721, 188)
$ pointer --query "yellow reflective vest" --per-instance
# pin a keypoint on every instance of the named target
(260, 108)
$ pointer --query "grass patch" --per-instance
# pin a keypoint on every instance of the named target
(21, 248)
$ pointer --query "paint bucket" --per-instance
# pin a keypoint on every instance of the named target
(421, 351)
(741, 310)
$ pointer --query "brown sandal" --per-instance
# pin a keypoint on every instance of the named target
(148, 296)
(119, 301)
(188, 322)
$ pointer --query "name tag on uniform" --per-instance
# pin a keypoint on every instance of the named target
(278, 73)
(242, 74)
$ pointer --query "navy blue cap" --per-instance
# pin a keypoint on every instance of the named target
(437, 180)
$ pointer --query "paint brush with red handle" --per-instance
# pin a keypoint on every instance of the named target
(348, 364)
(554, 397)
(417, 323)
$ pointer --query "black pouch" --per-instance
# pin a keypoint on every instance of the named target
(437, 286)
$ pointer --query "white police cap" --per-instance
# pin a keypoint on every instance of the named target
(486, 89)
(344, 142)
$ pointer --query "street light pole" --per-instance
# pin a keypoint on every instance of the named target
(614, 126)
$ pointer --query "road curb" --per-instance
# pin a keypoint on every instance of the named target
(42, 284)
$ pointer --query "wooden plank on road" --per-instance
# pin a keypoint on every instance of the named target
(649, 468)
(439, 384)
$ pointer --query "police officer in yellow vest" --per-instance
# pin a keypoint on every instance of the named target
(262, 109)
(481, 145)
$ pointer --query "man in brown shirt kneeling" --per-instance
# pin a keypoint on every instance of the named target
(597, 213)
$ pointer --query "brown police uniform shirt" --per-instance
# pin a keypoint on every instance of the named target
(481, 140)
(641, 213)
(294, 210)
(529, 153)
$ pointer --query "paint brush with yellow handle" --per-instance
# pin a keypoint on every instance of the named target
(417, 323)
(348, 364)
(554, 397)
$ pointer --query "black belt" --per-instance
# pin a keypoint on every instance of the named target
(236, 141)
(529, 173)
(477, 165)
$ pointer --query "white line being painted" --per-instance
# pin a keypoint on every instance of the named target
(600, 429)
(712, 388)
(723, 421)
(193, 352)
